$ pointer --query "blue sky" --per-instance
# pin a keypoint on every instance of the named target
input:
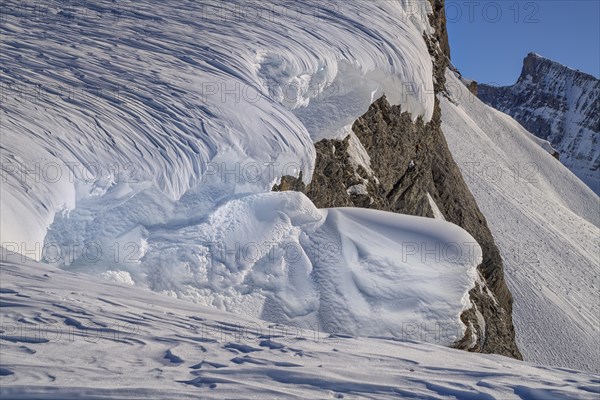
(489, 39)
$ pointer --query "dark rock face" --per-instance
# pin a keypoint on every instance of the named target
(407, 161)
(473, 88)
(438, 21)
(557, 104)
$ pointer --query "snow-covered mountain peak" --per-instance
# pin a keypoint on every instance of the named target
(558, 104)
(537, 67)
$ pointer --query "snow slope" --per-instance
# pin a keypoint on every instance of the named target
(69, 336)
(105, 95)
(138, 143)
(545, 223)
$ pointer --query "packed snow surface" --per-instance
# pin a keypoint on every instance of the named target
(545, 222)
(69, 336)
(163, 95)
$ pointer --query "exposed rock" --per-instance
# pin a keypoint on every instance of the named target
(407, 161)
(289, 183)
(438, 21)
(473, 88)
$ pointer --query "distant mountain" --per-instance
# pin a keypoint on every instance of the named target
(559, 104)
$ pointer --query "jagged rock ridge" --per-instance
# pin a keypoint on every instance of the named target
(558, 104)
(394, 164)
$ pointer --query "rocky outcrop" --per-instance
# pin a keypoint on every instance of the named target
(393, 163)
(558, 104)
(408, 162)
(437, 20)
(473, 88)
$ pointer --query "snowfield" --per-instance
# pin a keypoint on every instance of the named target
(69, 336)
(545, 223)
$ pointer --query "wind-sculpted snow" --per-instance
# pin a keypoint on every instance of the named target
(137, 139)
(545, 222)
(277, 257)
(68, 336)
(144, 94)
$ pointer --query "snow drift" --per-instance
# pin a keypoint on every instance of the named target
(56, 322)
(276, 256)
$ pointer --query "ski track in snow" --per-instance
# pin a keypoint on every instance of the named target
(66, 336)
(545, 223)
